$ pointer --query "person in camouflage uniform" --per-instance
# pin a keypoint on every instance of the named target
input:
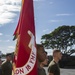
(43, 64)
(7, 65)
(53, 68)
(41, 56)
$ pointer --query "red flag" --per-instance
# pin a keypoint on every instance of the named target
(25, 53)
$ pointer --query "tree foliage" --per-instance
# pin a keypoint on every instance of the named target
(62, 38)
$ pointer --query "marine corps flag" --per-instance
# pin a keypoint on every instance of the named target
(25, 54)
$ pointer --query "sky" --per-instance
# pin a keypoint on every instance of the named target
(48, 15)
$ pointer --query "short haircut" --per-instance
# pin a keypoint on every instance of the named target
(8, 54)
(56, 51)
(38, 46)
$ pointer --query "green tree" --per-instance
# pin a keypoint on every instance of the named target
(62, 38)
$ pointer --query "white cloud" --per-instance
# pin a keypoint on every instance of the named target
(63, 14)
(4, 41)
(7, 49)
(54, 20)
(12, 47)
(7, 41)
(7, 35)
(7, 8)
(45, 30)
(1, 34)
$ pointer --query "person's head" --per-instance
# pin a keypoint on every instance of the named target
(45, 62)
(57, 54)
(8, 57)
(41, 55)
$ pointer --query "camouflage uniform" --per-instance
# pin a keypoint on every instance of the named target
(41, 71)
(6, 68)
(54, 68)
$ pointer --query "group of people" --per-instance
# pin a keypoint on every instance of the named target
(42, 60)
(53, 67)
